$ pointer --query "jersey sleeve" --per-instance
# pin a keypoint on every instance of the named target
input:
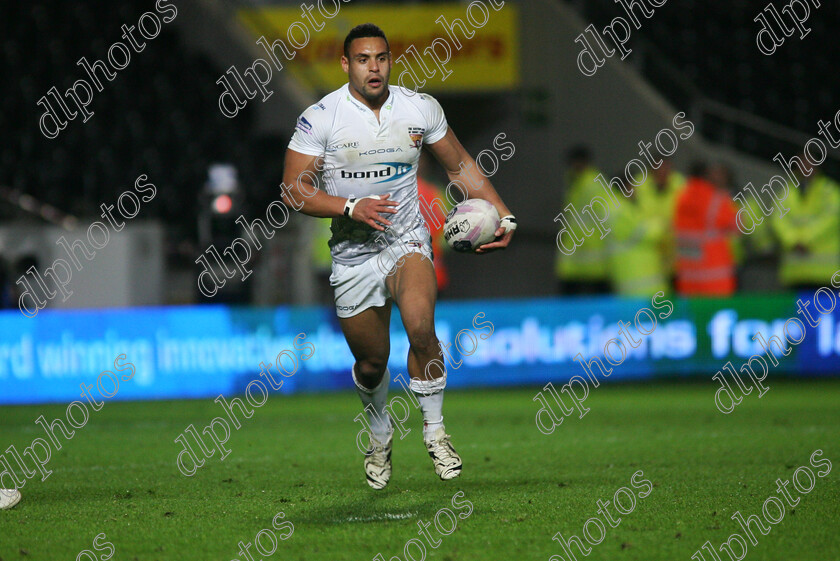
(436, 125)
(310, 136)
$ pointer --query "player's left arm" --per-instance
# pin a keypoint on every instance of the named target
(461, 167)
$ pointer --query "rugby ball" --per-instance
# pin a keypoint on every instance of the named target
(470, 224)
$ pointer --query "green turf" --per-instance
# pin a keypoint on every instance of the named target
(296, 455)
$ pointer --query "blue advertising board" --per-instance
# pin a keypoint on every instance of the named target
(204, 351)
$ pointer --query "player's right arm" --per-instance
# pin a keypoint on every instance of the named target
(300, 191)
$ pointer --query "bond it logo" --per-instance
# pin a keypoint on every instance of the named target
(390, 172)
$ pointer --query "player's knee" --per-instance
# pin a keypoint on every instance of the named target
(371, 368)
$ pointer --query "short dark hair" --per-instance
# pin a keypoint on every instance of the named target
(362, 31)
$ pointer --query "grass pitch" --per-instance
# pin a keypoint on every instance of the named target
(296, 455)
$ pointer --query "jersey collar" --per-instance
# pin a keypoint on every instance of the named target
(386, 107)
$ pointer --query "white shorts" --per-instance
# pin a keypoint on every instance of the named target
(359, 287)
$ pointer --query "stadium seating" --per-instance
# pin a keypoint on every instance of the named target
(159, 116)
(713, 45)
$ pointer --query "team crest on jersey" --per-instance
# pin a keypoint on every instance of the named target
(416, 136)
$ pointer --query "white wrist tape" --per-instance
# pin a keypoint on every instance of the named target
(508, 223)
(351, 204)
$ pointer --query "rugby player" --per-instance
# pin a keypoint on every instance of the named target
(366, 139)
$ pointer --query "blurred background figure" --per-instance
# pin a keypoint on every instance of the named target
(809, 234)
(755, 252)
(704, 221)
(721, 176)
(321, 260)
(636, 260)
(6, 300)
(657, 196)
(17, 290)
(429, 191)
(221, 199)
(586, 271)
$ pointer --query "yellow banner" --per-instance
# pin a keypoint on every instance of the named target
(487, 61)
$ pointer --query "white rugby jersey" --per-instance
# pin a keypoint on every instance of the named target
(365, 156)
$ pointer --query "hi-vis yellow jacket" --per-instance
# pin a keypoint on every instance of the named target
(813, 223)
(589, 261)
(635, 249)
(662, 204)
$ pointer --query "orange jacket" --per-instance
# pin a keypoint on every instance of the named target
(429, 192)
(703, 222)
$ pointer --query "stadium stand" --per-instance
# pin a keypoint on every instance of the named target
(698, 49)
(158, 116)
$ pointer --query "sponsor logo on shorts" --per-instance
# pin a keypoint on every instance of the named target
(347, 308)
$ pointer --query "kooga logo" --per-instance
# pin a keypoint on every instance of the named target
(392, 171)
